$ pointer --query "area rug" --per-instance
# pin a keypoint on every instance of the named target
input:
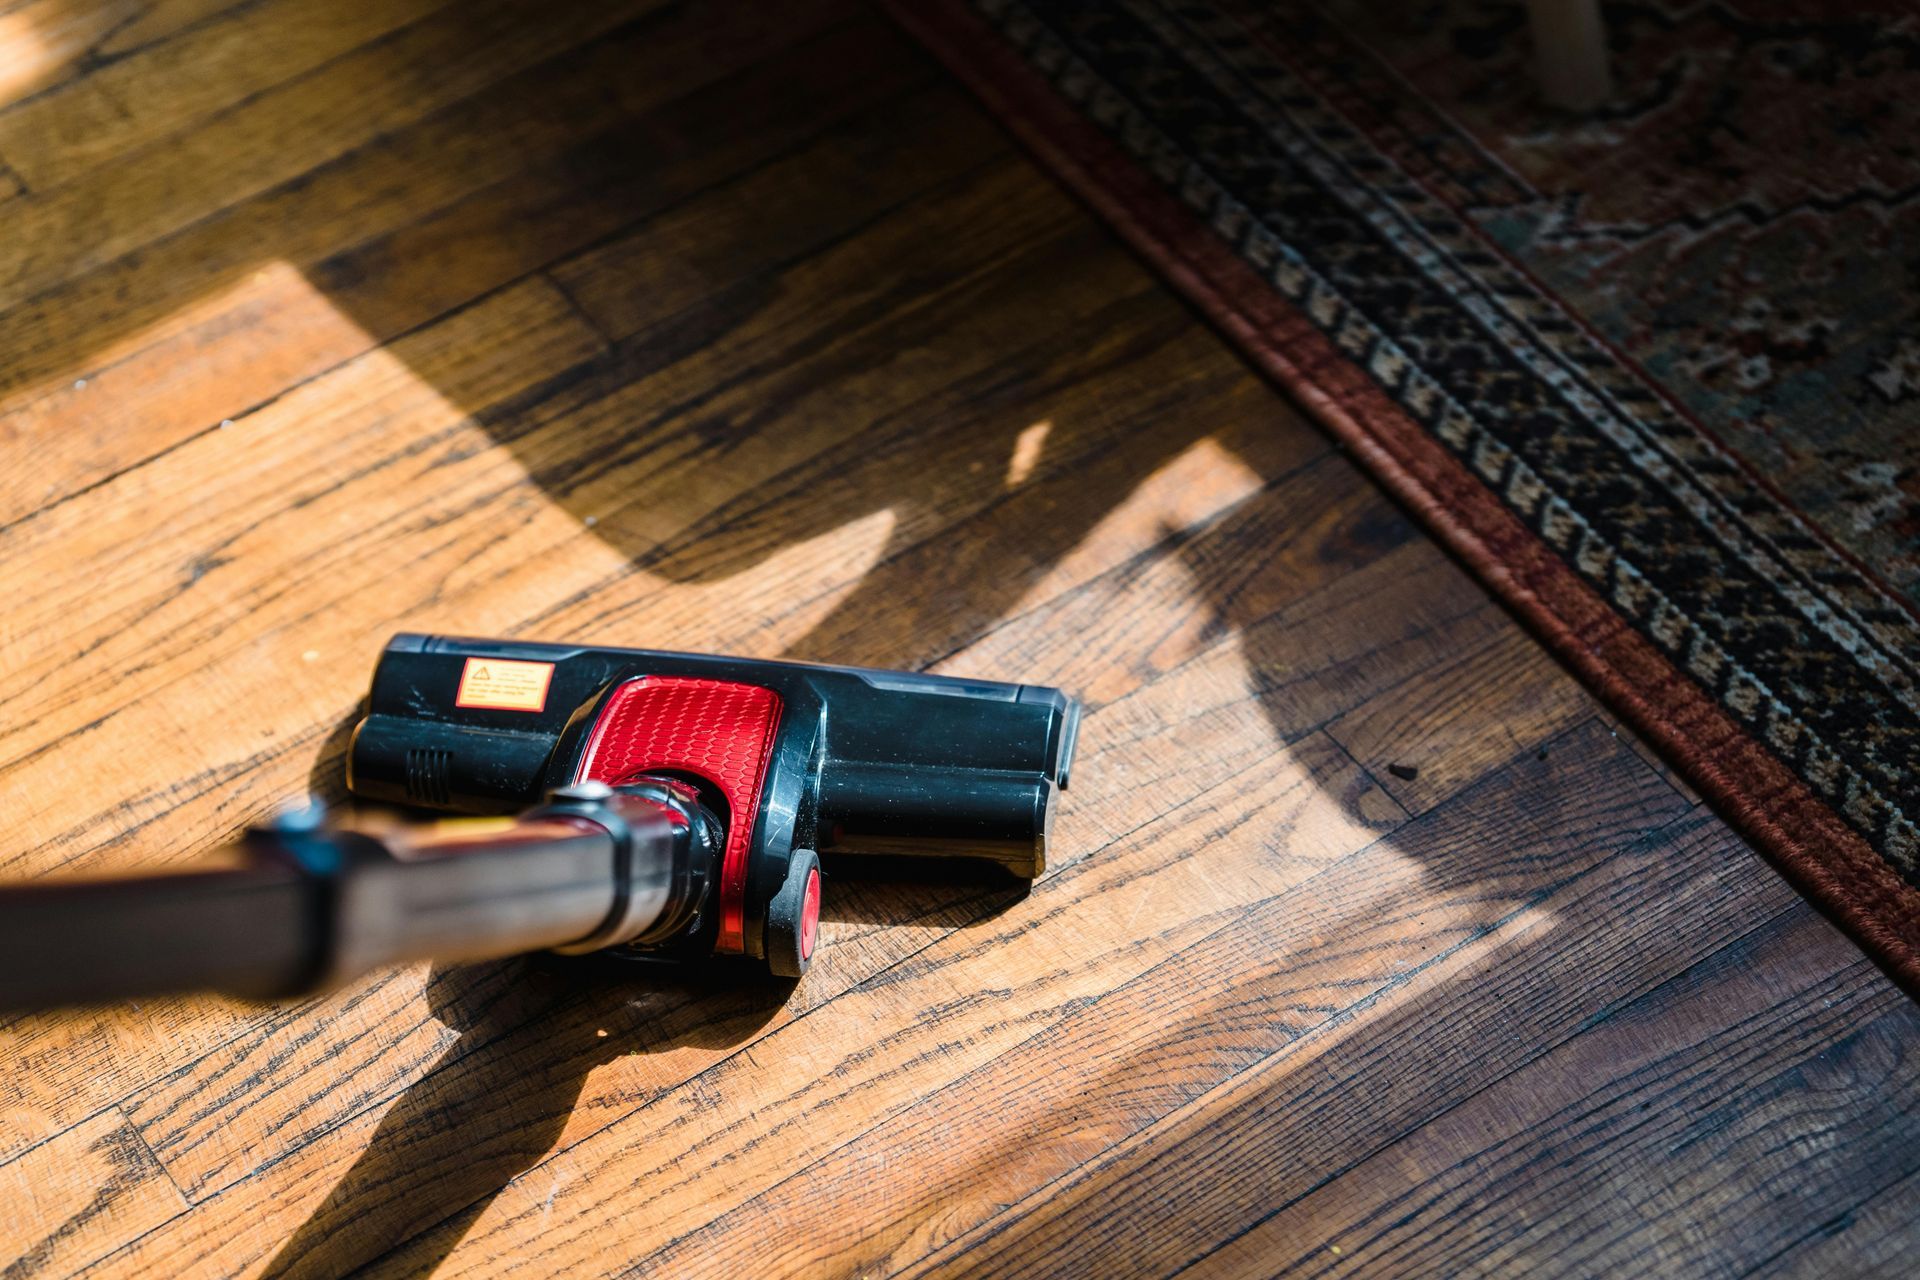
(1652, 371)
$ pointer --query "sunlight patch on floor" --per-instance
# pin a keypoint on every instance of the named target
(1027, 447)
(1197, 482)
(160, 382)
(41, 39)
(767, 598)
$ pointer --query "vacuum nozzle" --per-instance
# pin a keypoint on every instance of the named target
(796, 758)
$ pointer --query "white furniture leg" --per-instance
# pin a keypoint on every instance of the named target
(1570, 52)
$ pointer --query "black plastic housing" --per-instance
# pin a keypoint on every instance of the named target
(861, 761)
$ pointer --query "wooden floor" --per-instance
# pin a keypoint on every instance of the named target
(1370, 944)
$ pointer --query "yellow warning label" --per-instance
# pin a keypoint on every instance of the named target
(501, 684)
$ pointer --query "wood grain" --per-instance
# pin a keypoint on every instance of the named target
(94, 1178)
(1704, 1091)
(322, 260)
(1429, 740)
(1866, 1240)
(167, 84)
(736, 327)
(1316, 956)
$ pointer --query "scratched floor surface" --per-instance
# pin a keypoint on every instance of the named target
(1369, 944)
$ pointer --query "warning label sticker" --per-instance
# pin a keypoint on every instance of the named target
(500, 684)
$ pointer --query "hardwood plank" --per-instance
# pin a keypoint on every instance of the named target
(746, 230)
(1866, 1240)
(851, 98)
(262, 543)
(1211, 488)
(717, 1184)
(1317, 956)
(44, 43)
(1245, 1155)
(936, 469)
(42, 39)
(133, 100)
(140, 26)
(1314, 657)
(1428, 738)
(169, 341)
(65, 1066)
(220, 356)
(1628, 735)
(1708, 1101)
(349, 103)
(250, 1102)
(95, 1178)
(830, 353)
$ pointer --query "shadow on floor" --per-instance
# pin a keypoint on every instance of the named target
(528, 1034)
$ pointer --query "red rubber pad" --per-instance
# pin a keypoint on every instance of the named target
(713, 729)
(810, 914)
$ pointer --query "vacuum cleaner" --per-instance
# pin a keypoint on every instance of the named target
(665, 807)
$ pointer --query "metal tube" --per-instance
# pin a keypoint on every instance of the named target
(244, 931)
(317, 907)
(532, 886)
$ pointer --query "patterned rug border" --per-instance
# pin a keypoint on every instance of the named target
(1824, 857)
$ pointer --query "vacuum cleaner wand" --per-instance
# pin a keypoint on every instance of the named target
(310, 905)
(679, 802)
